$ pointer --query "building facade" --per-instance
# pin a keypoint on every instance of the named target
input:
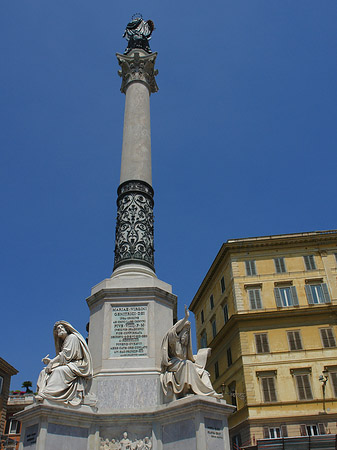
(6, 372)
(268, 309)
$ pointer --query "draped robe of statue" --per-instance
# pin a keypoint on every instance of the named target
(68, 379)
(183, 372)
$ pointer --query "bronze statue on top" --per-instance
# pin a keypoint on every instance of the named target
(138, 33)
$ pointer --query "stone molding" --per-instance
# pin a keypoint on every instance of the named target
(138, 67)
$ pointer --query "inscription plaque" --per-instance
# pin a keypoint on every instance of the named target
(128, 331)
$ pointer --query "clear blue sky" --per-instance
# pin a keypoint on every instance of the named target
(243, 138)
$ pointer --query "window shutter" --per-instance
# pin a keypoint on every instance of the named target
(277, 265)
(248, 271)
(312, 262)
(284, 430)
(272, 390)
(307, 262)
(303, 430)
(278, 297)
(324, 336)
(252, 299)
(333, 376)
(307, 387)
(298, 341)
(266, 432)
(331, 337)
(294, 295)
(291, 340)
(265, 343)
(326, 293)
(309, 294)
(258, 299)
(282, 265)
(321, 428)
(258, 342)
(265, 389)
(300, 387)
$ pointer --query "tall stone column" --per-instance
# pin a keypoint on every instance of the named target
(134, 228)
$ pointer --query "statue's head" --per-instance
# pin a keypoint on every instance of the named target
(125, 434)
(60, 329)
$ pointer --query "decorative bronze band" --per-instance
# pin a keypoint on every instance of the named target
(134, 227)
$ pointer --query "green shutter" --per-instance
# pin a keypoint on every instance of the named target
(307, 387)
(298, 340)
(278, 297)
(258, 299)
(309, 295)
(258, 342)
(265, 343)
(294, 295)
(265, 388)
(291, 340)
(326, 293)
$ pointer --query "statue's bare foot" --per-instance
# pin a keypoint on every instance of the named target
(38, 398)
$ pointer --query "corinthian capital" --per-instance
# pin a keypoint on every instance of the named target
(138, 66)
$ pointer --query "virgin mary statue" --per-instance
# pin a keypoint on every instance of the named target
(66, 377)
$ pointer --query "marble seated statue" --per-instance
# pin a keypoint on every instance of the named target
(182, 372)
(66, 377)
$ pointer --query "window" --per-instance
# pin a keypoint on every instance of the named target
(216, 369)
(223, 286)
(211, 301)
(294, 340)
(333, 378)
(317, 293)
(286, 296)
(309, 261)
(202, 316)
(255, 298)
(268, 389)
(14, 427)
(214, 328)
(232, 393)
(1, 383)
(271, 433)
(336, 257)
(275, 432)
(261, 341)
(312, 430)
(328, 338)
(250, 267)
(236, 442)
(303, 386)
(203, 340)
(229, 357)
(280, 265)
(225, 312)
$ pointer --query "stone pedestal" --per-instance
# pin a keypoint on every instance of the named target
(191, 423)
(129, 315)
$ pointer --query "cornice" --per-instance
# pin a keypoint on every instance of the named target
(249, 244)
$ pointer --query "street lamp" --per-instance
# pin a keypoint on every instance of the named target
(323, 379)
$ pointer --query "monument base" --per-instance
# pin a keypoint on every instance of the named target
(191, 423)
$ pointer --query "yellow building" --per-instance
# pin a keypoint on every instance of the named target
(268, 309)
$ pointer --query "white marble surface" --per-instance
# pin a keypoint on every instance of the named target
(136, 151)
